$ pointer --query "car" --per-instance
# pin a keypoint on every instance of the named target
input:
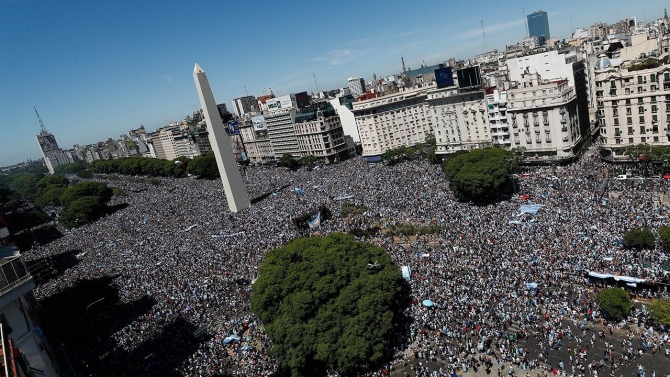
(621, 177)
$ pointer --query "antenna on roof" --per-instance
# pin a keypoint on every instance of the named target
(315, 83)
(44, 130)
(245, 91)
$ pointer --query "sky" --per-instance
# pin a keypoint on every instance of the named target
(96, 69)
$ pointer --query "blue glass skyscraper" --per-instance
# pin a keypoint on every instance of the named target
(538, 26)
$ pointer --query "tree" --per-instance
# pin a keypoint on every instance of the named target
(308, 160)
(479, 175)
(82, 210)
(614, 303)
(664, 236)
(329, 303)
(96, 189)
(659, 311)
(204, 166)
(51, 197)
(639, 239)
(288, 161)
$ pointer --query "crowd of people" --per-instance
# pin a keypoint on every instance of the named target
(506, 289)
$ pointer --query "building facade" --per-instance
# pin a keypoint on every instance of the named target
(25, 351)
(538, 26)
(256, 142)
(244, 105)
(391, 121)
(633, 106)
(356, 86)
(51, 153)
(281, 134)
(320, 134)
(460, 120)
(544, 119)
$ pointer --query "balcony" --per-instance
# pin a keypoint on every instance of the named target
(15, 279)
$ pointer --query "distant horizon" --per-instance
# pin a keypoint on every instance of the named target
(97, 70)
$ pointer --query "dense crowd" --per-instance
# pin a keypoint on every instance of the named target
(496, 277)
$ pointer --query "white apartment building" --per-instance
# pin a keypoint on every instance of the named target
(633, 106)
(392, 121)
(544, 119)
(460, 120)
(496, 104)
(346, 117)
(321, 135)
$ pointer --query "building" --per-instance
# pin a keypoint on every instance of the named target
(256, 140)
(538, 26)
(633, 106)
(343, 106)
(25, 351)
(51, 153)
(545, 119)
(319, 133)
(554, 65)
(391, 121)
(244, 105)
(281, 134)
(460, 120)
(598, 31)
(356, 86)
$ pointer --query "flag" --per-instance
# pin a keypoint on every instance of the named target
(315, 222)
(299, 191)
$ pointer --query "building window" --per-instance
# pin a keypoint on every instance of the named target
(652, 77)
(642, 129)
(630, 130)
(629, 120)
(642, 119)
(643, 139)
(630, 140)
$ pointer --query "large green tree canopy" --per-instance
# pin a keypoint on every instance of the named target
(614, 302)
(329, 303)
(481, 174)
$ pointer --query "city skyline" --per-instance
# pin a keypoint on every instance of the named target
(95, 71)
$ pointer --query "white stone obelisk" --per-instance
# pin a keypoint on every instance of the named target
(236, 192)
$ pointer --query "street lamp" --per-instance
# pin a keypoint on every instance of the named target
(88, 307)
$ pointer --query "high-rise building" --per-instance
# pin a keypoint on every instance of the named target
(51, 153)
(538, 26)
(356, 86)
(244, 105)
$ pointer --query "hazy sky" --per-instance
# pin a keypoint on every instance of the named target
(95, 69)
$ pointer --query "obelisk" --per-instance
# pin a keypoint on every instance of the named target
(236, 192)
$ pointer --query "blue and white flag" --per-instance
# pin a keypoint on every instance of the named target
(315, 223)
(406, 272)
(531, 208)
(299, 191)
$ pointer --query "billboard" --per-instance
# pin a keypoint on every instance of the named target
(468, 77)
(234, 127)
(444, 77)
(279, 103)
(259, 123)
(302, 100)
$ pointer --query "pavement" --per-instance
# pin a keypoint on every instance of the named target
(660, 364)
